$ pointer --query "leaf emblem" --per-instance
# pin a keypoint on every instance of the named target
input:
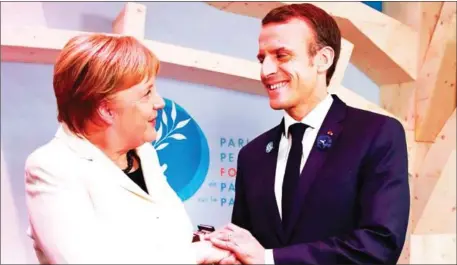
(162, 146)
(164, 168)
(169, 130)
(159, 133)
(164, 117)
(182, 123)
(178, 136)
(173, 112)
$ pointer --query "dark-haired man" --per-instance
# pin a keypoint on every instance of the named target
(329, 184)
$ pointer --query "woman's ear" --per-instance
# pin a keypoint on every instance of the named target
(324, 58)
(106, 113)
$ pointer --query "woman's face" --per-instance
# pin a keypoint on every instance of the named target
(135, 112)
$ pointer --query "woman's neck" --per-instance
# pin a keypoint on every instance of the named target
(110, 146)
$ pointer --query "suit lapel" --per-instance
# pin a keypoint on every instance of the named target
(269, 172)
(332, 127)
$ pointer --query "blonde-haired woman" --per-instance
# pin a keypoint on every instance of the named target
(95, 192)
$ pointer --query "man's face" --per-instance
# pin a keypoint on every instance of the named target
(288, 71)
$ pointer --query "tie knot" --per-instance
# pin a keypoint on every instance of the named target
(297, 130)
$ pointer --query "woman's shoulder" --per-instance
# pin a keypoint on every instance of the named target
(50, 159)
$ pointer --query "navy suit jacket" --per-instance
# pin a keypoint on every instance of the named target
(352, 204)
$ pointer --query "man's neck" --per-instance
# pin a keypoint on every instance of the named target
(304, 108)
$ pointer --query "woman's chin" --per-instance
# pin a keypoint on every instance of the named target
(150, 135)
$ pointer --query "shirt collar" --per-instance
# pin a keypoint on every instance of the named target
(315, 118)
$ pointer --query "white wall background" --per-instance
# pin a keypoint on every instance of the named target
(28, 109)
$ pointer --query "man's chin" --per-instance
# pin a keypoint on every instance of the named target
(276, 105)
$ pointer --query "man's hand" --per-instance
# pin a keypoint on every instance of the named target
(239, 241)
(209, 254)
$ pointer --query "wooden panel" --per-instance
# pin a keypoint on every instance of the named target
(420, 16)
(382, 39)
(399, 99)
(439, 215)
(131, 21)
(405, 254)
(343, 62)
(436, 92)
(431, 168)
(433, 249)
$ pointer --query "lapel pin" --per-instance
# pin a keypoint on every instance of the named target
(269, 147)
(324, 141)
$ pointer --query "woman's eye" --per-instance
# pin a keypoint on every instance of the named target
(281, 56)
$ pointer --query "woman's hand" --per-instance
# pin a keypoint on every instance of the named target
(209, 254)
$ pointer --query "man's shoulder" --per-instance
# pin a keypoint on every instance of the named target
(370, 119)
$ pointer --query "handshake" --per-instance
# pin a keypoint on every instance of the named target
(228, 245)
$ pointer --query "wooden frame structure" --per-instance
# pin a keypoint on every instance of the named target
(409, 51)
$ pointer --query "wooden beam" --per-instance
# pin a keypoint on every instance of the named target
(42, 45)
(436, 84)
(439, 214)
(383, 49)
(400, 99)
(420, 16)
(433, 249)
(431, 168)
(343, 62)
(131, 21)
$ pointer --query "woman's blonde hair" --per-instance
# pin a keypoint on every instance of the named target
(90, 68)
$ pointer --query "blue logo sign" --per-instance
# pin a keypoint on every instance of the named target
(182, 149)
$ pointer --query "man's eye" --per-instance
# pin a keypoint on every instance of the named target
(281, 56)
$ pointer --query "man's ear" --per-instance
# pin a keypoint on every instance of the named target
(324, 59)
(106, 113)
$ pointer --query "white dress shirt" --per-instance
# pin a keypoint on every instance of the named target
(314, 120)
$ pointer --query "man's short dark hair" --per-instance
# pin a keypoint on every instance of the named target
(326, 31)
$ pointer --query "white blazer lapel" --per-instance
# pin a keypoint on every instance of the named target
(104, 167)
(153, 175)
(114, 172)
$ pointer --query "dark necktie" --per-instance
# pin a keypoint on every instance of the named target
(292, 174)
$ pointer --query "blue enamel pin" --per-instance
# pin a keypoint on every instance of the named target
(324, 141)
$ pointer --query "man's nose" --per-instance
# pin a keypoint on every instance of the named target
(268, 67)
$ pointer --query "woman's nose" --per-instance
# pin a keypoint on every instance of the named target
(159, 103)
